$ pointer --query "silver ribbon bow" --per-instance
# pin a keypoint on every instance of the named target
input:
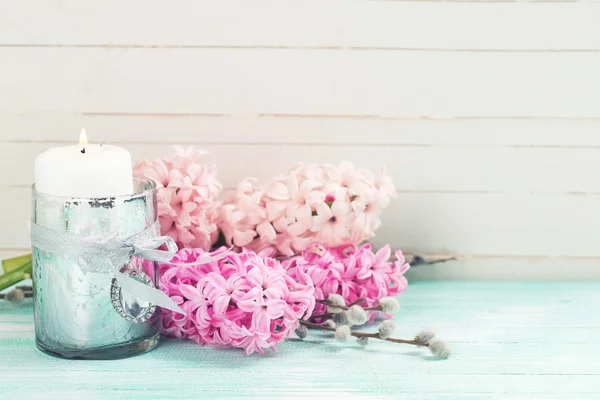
(108, 252)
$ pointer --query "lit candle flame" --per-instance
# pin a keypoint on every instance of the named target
(83, 138)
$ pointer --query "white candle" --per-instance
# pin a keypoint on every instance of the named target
(84, 170)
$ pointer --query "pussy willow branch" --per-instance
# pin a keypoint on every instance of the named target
(330, 315)
(319, 316)
(332, 305)
(413, 342)
(355, 302)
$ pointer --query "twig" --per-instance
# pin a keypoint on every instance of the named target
(355, 302)
(413, 342)
(333, 305)
(330, 304)
(326, 315)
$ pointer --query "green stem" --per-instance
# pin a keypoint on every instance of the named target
(16, 276)
(11, 264)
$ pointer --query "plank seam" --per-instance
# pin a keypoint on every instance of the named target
(342, 116)
(297, 47)
(315, 144)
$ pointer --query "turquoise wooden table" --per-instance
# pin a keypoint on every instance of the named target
(510, 341)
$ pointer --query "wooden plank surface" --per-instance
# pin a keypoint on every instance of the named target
(498, 169)
(294, 81)
(485, 112)
(507, 26)
(455, 223)
(510, 341)
(199, 128)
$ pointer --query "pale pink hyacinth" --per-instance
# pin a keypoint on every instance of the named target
(352, 272)
(323, 203)
(187, 197)
(243, 300)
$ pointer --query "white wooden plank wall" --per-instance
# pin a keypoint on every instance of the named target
(487, 114)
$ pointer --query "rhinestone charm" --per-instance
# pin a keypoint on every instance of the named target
(129, 307)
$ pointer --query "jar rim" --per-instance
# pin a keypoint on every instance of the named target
(142, 188)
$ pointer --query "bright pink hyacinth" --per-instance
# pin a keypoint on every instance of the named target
(323, 203)
(243, 300)
(350, 272)
(187, 197)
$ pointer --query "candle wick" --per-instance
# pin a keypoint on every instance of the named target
(83, 151)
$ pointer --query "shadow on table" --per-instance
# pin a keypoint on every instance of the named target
(231, 358)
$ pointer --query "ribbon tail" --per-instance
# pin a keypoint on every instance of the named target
(147, 293)
(206, 260)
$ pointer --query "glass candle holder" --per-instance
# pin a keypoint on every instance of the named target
(84, 314)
